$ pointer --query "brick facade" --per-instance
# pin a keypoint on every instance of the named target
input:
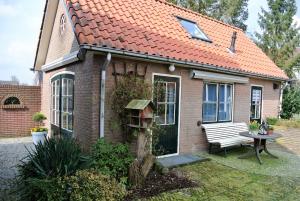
(87, 100)
(61, 44)
(17, 121)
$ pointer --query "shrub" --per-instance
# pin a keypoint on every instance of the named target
(272, 120)
(85, 185)
(291, 102)
(113, 160)
(39, 118)
(54, 158)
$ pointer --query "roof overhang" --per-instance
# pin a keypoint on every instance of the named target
(181, 63)
(45, 33)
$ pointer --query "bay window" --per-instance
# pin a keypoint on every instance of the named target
(62, 100)
(217, 103)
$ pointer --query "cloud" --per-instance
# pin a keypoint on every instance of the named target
(20, 51)
(296, 21)
(8, 10)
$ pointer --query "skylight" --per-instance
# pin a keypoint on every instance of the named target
(193, 29)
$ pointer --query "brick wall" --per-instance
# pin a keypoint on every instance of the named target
(15, 122)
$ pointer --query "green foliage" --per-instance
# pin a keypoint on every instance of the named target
(291, 102)
(254, 126)
(127, 89)
(234, 12)
(279, 37)
(39, 118)
(272, 120)
(113, 160)
(53, 158)
(85, 185)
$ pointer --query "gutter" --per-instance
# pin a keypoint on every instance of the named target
(182, 63)
(102, 92)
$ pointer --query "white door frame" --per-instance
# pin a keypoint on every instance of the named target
(179, 108)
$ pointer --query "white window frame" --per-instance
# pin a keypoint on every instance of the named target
(205, 84)
(166, 103)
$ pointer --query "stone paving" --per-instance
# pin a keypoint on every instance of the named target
(12, 150)
(289, 142)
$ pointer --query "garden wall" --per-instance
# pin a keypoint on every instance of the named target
(16, 118)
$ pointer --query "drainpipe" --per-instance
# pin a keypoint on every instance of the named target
(102, 93)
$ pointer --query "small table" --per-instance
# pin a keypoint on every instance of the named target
(260, 144)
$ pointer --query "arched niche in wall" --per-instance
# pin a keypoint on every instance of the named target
(12, 101)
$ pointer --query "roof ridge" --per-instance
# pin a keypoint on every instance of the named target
(199, 14)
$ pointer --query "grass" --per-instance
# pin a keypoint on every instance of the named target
(219, 182)
(236, 179)
(285, 124)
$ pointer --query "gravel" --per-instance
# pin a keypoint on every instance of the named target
(12, 150)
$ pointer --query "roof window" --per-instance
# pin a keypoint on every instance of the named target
(193, 29)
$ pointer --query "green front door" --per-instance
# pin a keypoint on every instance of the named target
(166, 100)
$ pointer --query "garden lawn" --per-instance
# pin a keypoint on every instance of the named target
(219, 182)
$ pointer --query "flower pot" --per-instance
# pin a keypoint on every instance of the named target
(39, 137)
(270, 132)
(254, 132)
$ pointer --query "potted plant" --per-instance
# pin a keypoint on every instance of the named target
(39, 133)
(254, 127)
(270, 130)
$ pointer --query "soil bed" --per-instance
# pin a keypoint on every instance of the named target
(157, 183)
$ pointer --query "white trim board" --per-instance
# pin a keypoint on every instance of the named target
(218, 77)
(179, 110)
(68, 59)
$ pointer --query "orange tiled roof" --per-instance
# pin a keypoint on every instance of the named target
(150, 27)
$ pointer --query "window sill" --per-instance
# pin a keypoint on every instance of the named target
(12, 107)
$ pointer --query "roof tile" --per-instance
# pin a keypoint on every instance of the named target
(151, 27)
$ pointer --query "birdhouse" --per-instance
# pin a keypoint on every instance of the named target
(140, 113)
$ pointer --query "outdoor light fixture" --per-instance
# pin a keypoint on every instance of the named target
(172, 68)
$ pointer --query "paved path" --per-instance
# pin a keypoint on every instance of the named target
(289, 142)
(11, 151)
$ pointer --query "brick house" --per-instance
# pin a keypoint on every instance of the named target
(212, 72)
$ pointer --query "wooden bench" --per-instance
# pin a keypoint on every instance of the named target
(225, 135)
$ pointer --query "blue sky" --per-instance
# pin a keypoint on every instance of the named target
(20, 22)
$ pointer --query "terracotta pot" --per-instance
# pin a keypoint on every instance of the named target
(270, 132)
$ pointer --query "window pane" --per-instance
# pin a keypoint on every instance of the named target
(64, 104)
(209, 112)
(70, 87)
(222, 93)
(170, 113)
(57, 118)
(161, 91)
(212, 92)
(225, 102)
(171, 92)
(70, 104)
(70, 122)
(160, 118)
(64, 87)
(57, 87)
(193, 29)
(64, 120)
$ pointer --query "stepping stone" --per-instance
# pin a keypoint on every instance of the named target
(179, 160)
